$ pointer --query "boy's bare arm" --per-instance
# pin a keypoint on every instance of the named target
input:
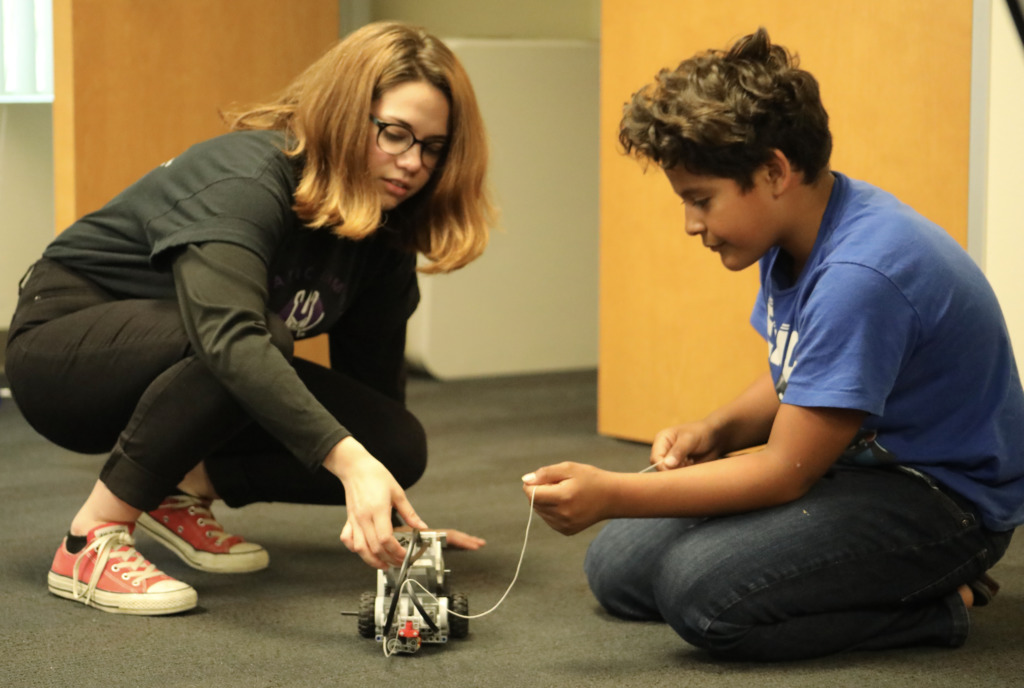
(802, 445)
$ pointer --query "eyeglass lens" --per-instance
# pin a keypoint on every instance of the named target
(395, 139)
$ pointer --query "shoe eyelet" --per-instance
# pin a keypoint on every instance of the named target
(201, 521)
(135, 583)
(181, 530)
(124, 576)
(115, 568)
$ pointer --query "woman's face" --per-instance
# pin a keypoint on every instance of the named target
(422, 110)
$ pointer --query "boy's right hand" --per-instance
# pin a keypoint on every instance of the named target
(569, 496)
(684, 445)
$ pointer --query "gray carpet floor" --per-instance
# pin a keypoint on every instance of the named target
(284, 626)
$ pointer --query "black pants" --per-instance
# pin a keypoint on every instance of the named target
(95, 374)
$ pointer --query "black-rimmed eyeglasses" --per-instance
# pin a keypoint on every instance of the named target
(395, 139)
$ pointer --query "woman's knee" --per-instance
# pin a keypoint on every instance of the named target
(403, 449)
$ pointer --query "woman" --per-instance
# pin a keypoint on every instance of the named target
(162, 324)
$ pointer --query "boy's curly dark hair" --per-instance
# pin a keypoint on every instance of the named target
(722, 113)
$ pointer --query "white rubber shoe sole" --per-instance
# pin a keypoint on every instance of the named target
(165, 597)
(244, 557)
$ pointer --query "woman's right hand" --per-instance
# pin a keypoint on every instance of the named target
(684, 445)
(370, 493)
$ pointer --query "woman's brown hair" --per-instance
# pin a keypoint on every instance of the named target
(325, 112)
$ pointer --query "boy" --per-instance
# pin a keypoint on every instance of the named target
(891, 474)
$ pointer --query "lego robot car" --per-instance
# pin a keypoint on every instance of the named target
(413, 604)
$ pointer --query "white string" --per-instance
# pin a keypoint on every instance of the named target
(522, 554)
(653, 466)
(515, 577)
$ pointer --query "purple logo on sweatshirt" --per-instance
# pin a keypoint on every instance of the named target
(303, 313)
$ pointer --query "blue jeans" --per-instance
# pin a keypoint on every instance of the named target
(870, 558)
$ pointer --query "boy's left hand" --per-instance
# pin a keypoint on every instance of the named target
(570, 497)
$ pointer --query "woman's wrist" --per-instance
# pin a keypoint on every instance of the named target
(341, 456)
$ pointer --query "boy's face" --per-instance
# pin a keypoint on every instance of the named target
(737, 225)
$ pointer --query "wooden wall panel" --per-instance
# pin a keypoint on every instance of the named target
(138, 81)
(895, 78)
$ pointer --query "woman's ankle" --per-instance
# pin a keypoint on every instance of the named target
(197, 483)
(101, 507)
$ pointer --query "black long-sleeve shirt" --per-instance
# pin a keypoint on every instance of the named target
(214, 228)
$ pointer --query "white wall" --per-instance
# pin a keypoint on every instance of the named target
(530, 303)
(26, 195)
(1003, 249)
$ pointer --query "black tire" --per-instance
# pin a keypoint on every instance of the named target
(367, 622)
(457, 626)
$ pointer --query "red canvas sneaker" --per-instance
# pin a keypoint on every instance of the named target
(111, 575)
(185, 525)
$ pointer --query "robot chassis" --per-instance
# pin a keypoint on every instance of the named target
(399, 603)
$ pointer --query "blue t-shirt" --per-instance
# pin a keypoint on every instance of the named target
(891, 316)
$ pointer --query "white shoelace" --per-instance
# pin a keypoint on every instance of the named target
(201, 508)
(135, 567)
